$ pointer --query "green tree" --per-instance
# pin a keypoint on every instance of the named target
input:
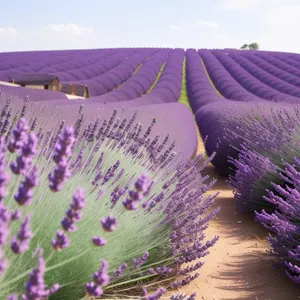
(252, 46)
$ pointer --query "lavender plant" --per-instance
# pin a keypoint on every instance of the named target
(76, 198)
(266, 181)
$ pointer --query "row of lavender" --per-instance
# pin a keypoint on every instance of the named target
(105, 70)
(257, 141)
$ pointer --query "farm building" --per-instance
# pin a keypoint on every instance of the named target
(38, 81)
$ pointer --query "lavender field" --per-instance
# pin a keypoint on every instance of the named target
(108, 191)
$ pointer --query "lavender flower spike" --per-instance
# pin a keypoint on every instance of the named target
(12, 297)
(109, 223)
(18, 136)
(138, 262)
(61, 241)
(36, 288)
(63, 151)
(74, 213)
(99, 241)
(158, 294)
(100, 278)
(63, 148)
(93, 290)
(59, 175)
(120, 271)
(22, 242)
(24, 160)
(25, 194)
(135, 196)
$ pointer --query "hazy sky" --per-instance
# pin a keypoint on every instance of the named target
(69, 24)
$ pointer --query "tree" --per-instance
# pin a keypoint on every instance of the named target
(252, 46)
(245, 46)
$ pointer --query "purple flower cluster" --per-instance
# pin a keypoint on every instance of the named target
(266, 178)
(19, 136)
(120, 271)
(24, 195)
(284, 221)
(21, 243)
(36, 288)
(135, 196)
(182, 296)
(100, 279)
(73, 215)
(26, 153)
(109, 223)
(138, 262)
(157, 295)
(63, 151)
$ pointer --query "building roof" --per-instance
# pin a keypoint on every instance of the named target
(77, 89)
(33, 79)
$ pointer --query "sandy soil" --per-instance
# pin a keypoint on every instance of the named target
(239, 267)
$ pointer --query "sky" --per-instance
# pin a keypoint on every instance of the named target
(78, 24)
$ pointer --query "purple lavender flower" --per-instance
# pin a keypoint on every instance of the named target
(25, 193)
(74, 214)
(16, 215)
(158, 294)
(141, 183)
(130, 204)
(19, 136)
(24, 160)
(12, 297)
(138, 262)
(36, 288)
(63, 148)
(135, 196)
(93, 290)
(109, 223)
(120, 271)
(78, 200)
(63, 151)
(68, 225)
(100, 279)
(21, 243)
(59, 175)
(99, 241)
(61, 241)
(182, 296)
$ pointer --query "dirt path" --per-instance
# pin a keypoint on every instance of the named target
(238, 267)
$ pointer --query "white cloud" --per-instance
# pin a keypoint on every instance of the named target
(72, 29)
(8, 32)
(209, 24)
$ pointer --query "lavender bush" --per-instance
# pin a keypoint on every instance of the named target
(95, 209)
(266, 181)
